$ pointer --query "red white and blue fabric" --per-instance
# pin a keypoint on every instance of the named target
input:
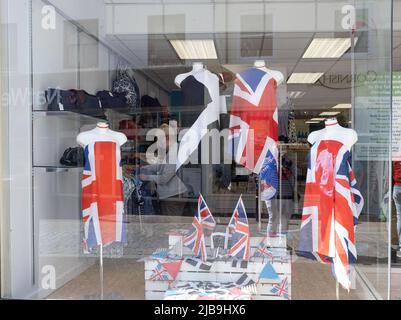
(207, 219)
(195, 238)
(240, 239)
(332, 205)
(281, 290)
(254, 127)
(102, 195)
(263, 250)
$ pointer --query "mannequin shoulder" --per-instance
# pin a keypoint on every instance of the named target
(84, 138)
(120, 137)
(180, 78)
(278, 76)
(313, 136)
(351, 135)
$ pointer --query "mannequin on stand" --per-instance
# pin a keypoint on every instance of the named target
(332, 202)
(268, 176)
(201, 96)
(102, 189)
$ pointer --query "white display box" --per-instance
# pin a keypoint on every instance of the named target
(225, 270)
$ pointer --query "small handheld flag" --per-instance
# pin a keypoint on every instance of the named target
(240, 240)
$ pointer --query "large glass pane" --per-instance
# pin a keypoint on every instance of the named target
(141, 116)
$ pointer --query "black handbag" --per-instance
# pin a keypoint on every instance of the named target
(61, 100)
(75, 101)
(73, 157)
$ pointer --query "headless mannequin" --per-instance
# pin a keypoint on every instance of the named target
(333, 131)
(277, 75)
(101, 133)
(196, 67)
(273, 223)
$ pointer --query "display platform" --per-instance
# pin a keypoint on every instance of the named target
(174, 273)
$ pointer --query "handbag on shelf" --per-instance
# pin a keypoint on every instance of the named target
(61, 100)
(110, 100)
(73, 157)
(74, 100)
(126, 84)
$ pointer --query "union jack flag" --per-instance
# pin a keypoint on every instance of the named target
(281, 290)
(263, 250)
(195, 238)
(240, 240)
(160, 274)
(102, 195)
(254, 126)
(233, 221)
(207, 219)
(331, 209)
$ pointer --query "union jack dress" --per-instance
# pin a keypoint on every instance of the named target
(254, 127)
(332, 205)
(102, 195)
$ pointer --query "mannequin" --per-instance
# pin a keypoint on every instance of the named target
(261, 64)
(333, 131)
(332, 201)
(102, 132)
(102, 187)
(201, 95)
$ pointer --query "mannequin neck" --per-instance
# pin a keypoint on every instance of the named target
(259, 64)
(331, 123)
(102, 127)
(197, 66)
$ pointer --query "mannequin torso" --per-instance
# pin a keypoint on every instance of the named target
(333, 131)
(101, 133)
(200, 74)
(277, 75)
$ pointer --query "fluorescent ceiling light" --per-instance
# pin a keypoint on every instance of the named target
(328, 47)
(310, 121)
(343, 106)
(318, 119)
(194, 49)
(296, 94)
(330, 113)
(310, 77)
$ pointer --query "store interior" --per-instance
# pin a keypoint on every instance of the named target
(87, 52)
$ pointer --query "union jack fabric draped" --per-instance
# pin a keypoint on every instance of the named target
(207, 219)
(332, 206)
(254, 126)
(195, 238)
(102, 195)
(240, 240)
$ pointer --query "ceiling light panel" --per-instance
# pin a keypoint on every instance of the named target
(343, 106)
(329, 113)
(310, 122)
(327, 48)
(194, 49)
(304, 78)
(296, 94)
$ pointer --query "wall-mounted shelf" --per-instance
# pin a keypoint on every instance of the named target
(70, 115)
